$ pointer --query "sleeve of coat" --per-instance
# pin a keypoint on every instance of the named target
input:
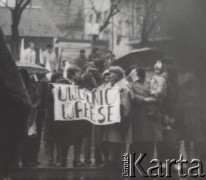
(161, 89)
(134, 96)
(125, 102)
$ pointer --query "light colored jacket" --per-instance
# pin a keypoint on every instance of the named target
(51, 59)
(158, 86)
(29, 56)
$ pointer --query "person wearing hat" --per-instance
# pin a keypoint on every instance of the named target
(65, 134)
(114, 134)
(106, 78)
(142, 132)
(101, 147)
(158, 83)
(157, 90)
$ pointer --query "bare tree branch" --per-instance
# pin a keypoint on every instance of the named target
(6, 5)
(93, 7)
(151, 18)
(112, 12)
(24, 5)
(16, 13)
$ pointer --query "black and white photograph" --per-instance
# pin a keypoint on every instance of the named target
(102, 89)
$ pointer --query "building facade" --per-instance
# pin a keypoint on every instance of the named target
(124, 27)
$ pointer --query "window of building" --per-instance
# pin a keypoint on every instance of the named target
(106, 14)
(3, 3)
(98, 20)
(90, 18)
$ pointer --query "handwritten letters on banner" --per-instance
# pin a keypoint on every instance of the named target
(100, 107)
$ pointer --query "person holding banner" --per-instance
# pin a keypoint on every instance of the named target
(114, 134)
(101, 147)
(52, 130)
(66, 133)
(74, 75)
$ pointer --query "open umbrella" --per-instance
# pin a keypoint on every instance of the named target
(144, 57)
(32, 68)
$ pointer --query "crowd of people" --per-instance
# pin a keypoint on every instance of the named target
(155, 116)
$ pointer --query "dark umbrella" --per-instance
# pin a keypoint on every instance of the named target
(144, 57)
(32, 68)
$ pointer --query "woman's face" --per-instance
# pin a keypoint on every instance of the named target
(113, 77)
(157, 71)
(106, 78)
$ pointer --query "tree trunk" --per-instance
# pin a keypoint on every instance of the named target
(144, 34)
(144, 40)
(15, 40)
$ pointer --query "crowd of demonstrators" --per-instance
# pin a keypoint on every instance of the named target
(159, 113)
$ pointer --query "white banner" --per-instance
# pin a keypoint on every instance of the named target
(100, 107)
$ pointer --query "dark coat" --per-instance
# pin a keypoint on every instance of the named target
(14, 109)
(59, 131)
(189, 112)
(80, 62)
(142, 127)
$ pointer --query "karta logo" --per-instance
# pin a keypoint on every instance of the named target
(133, 165)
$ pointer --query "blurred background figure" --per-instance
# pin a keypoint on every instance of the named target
(29, 54)
(50, 58)
(110, 57)
(94, 55)
(96, 58)
(189, 113)
(81, 60)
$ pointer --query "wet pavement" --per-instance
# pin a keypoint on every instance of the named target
(75, 174)
(44, 171)
(68, 174)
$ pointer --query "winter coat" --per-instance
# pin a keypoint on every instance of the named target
(142, 128)
(116, 132)
(56, 131)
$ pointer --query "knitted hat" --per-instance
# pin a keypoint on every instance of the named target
(105, 73)
(158, 65)
(117, 70)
